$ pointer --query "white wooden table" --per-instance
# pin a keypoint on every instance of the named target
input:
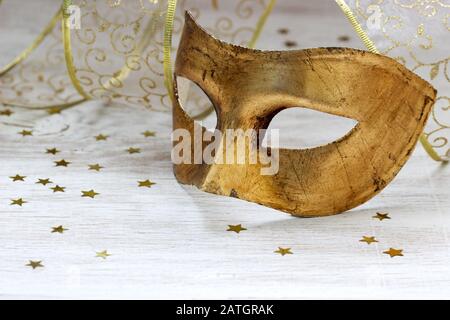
(170, 241)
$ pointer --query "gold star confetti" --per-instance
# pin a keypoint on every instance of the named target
(368, 240)
(394, 252)
(52, 151)
(59, 229)
(95, 167)
(44, 182)
(290, 44)
(62, 163)
(6, 112)
(26, 133)
(101, 137)
(133, 150)
(58, 189)
(18, 178)
(17, 202)
(103, 254)
(344, 38)
(237, 228)
(148, 134)
(90, 194)
(381, 216)
(54, 110)
(284, 251)
(146, 183)
(35, 264)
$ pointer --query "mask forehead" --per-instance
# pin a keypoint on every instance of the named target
(248, 87)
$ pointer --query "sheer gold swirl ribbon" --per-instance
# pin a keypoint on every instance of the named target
(168, 32)
(123, 52)
(363, 13)
(119, 53)
(20, 76)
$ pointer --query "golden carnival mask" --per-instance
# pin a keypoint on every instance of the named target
(249, 87)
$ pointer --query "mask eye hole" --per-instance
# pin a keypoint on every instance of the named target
(196, 103)
(301, 128)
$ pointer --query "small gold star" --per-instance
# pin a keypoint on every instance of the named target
(53, 151)
(368, 240)
(59, 229)
(26, 133)
(290, 43)
(95, 167)
(103, 254)
(44, 182)
(62, 163)
(6, 112)
(90, 194)
(237, 228)
(344, 38)
(101, 137)
(18, 178)
(394, 252)
(58, 189)
(35, 264)
(54, 110)
(381, 216)
(133, 150)
(17, 202)
(147, 183)
(148, 134)
(283, 251)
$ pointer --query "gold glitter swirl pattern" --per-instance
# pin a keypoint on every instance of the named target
(116, 54)
(120, 45)
(36, 79)
(415, 33)
(118, 57)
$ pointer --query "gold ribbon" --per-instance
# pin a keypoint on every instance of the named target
(25, 53)
(261, 23)
(168, 32)
(68, 50)
(167, 50)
